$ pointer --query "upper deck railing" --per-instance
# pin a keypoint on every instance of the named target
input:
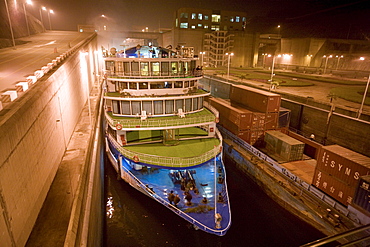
(152, 75)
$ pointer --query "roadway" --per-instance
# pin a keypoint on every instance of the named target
(37, 51)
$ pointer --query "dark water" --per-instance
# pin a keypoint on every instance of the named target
(257, 220)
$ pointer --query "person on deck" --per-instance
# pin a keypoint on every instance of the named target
(171, 197)
(176, 200)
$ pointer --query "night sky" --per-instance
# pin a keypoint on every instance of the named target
(341, 18)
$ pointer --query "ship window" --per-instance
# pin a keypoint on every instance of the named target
(158, 107)
(109, 65)
(143, 85)
(174, 67)
(119, 67)
(186, 84)
(167, 84)
(135, 68)
(195, 104)
(133, 85)
(136, 107)
(115, 107)
(200, 103)
(122, 85)
(169, 106)
(147, 106)
(188, 105)
(155, 68)
(156, 85)
(178, 84)
(191, 83)
(126, 68)
(179, 104)
(144, 68)
(165, 66)
(125, 108)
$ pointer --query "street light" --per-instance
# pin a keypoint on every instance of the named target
(10, 23)
(278, 27)
(364, 97)
(228, 63)
(50, 12)
(272, 70)
(326, 62)
(202, 54)
(42, 22)
(309, 60)
(25, 15)
(339, 57)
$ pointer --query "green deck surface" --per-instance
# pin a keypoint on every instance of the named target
(185, 148)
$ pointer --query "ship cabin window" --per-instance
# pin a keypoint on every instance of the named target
(109, 65)
(178, 84)
(192, 83)
(155, 68)
(165, 68)
(179, 104)
(134, 68)
(147, 106)
(119, 67)
(125, 108)
(143, 85)
(158, 107)
(121, 86)
(136, 107)
(174, 67)
(169, 106)
(187, 105)
(115, 107)
(156, 85)
(200, 106)
(167, 84)
(195, 104)
(144, 68)
(132, 85)
(126, 68)
(186, 84)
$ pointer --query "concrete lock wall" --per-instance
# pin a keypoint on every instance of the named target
(34, 133)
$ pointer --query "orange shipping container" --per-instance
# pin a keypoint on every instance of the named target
(256, 99)
(333, 187)
(343, 164)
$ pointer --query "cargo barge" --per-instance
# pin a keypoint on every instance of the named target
(334, 177)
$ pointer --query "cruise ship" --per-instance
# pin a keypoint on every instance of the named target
(161, 134)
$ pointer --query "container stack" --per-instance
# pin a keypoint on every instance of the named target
(286, 147)
(338, 172)
(362, 195)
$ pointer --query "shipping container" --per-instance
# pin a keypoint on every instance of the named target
(286, 147)
(258, 100)
(284, 118)
(344, 164)
(271, 121)
(362, 195)
(237, 115)
(333, 187)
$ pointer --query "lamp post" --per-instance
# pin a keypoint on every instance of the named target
(42, 22)
(228, 63)
(272, 70)
(309, 60)
(25, 15)
(50, 12)
(10, 23)
(202, 54)
(339, 57)
(278, 27)
(363, 98)
(326, 62)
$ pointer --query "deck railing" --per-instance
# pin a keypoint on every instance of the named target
(153, 75)
(151, 122)
(164, 161)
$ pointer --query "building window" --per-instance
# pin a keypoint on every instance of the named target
(216, 18)
(184, 25)
(231, 18)
(237, 19)
(243, 19)
(206, 26)
(206, 17)
(192, 26)
(215, 28)
(200, 16)
(200, 25)
(193, 16)
(184, 15)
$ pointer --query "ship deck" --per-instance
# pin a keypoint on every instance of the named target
(160, 182)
